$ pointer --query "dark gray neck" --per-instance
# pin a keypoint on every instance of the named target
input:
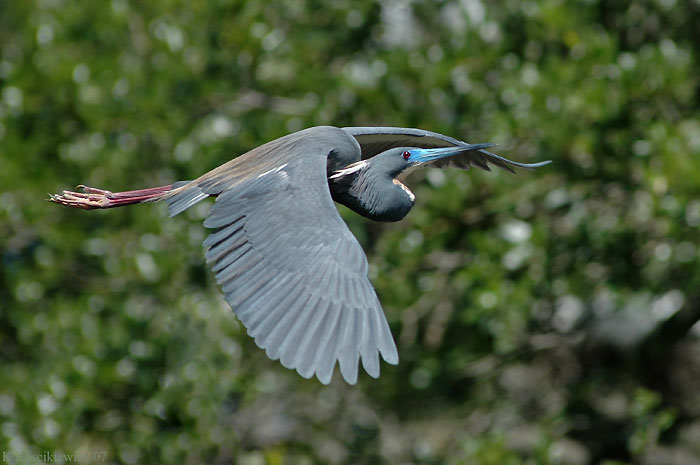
(372, 193)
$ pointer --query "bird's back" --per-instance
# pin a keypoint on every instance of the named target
(327, 141)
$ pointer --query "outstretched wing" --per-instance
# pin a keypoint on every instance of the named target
(374, 140)
(290, 268)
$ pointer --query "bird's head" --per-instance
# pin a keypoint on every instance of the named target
(369, 186)
(400, 161)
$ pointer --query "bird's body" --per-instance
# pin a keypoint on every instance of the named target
(287, 264)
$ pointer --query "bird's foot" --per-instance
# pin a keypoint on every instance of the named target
(90, 198)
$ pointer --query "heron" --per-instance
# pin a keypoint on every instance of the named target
(287, 264)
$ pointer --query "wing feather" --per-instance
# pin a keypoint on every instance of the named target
(325, 355)
(306, 352)
(374, 140)
(253, 284)
(221, 234)
(274, 296)
(222, 220)
(347, 357)
(221, 249)
(229, 283)
(287, 263)
(233, 254)
(370, 359)
(272, 342)
(289, 348)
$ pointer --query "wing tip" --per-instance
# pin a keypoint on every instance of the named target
(506, 162)
(349, 373)
(324, 378)
(536, 165)
(349, 378)
(392, 358)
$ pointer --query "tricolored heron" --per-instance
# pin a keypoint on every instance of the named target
(287, 263)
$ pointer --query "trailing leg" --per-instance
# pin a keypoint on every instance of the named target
(90, 198)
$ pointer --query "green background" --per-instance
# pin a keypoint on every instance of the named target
(547, 317)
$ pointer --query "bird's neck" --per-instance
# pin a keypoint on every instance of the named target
(371, 193)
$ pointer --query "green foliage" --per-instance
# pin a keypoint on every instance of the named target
(544, 318)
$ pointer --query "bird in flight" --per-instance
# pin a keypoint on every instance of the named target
(286, 262)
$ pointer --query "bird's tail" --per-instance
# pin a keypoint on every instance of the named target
(182, 196)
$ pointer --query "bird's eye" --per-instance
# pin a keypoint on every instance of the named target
(406, 155)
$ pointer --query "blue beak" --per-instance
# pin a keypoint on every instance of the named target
(420, 156)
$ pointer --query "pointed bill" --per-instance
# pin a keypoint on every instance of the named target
(421, 156)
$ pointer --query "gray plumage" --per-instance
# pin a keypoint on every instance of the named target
(288, 265)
